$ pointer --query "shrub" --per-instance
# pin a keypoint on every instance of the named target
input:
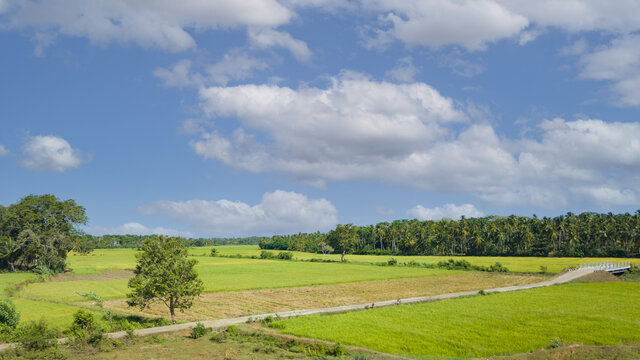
(43, 271)
(338, 350)
(285, 255)
(556, 343)
(97, 299)
(481, 292)
(214, 252)
(266, 255)
(8, 315)
(232, 330)
(392, 262)
(218, 336)
(37, 335)
(543, 269)
(198, 331)
(497, 267)
(85, 329)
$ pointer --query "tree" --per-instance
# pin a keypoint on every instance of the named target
(38, 231)
(343, 238)
(164, 274)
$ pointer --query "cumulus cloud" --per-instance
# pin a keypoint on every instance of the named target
(161, 24)
(235, 65)
(410, 135)
(267, 38)
(49, 153)
(278, 212)
(438, 23)
(3, 151)
(448, 211)
(618, 64)
(134, 228)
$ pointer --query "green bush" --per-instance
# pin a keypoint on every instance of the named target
(8, 315)
(43, 271)
(232, 330)
(392, 262)
(198, 331)
(85, 328)
(218, 336)
(543, 269)
(37, 335)
(556, 343)
(285, 255)
(266, 255)
(214, 252)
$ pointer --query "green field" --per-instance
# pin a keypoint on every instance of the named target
(222, 274)
(507, 323)
(517, 264)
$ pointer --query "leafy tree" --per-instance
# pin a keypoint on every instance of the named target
(8, 315)
(38, 231)
(343, 238)
(164, 274)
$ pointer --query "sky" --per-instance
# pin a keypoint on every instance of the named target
(233, 118)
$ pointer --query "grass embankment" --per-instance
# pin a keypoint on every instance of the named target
(480, 326)
(513, 263)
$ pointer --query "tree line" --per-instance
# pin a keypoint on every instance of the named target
(587, 234)
(136, 241)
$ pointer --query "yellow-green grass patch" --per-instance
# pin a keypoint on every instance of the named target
(480, 326)
(514, 263)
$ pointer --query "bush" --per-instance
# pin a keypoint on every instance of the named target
(43, 271)
(392, 262)
(214, 252)
(556, 343)
(198, 331)
(232, 330)
(218, 336)
(85, 329)
(266, 255)
(8, 315)
(543, 269)
(285, 255)
(37, 335)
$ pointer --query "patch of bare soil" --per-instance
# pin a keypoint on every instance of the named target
(598, 276)
(104, 275)
(581, 352)
(241, 303)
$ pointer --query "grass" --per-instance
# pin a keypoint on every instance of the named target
(224, 274)
(517, 264)
(508, 323)
(57, 315)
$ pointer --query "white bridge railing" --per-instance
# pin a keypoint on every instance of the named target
(607, 266)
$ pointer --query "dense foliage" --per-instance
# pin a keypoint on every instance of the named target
(38, 231)
(135, 241)
(163, 273)
(586, 234)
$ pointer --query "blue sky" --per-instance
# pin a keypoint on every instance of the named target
(220, 118)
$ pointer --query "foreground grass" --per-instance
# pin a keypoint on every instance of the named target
(517, 264)
(508, 323)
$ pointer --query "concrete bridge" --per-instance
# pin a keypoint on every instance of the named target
(614, 268)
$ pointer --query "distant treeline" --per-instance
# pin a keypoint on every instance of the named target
(134, 241)
(588, 234)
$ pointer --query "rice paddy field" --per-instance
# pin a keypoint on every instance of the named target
(480, 326)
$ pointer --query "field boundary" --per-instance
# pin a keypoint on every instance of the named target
(224, 323)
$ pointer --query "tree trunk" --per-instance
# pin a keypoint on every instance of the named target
(342, 257)
(172, 310)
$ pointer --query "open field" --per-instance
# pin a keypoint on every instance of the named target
(508, 323)
(517, 264)
(241, 303)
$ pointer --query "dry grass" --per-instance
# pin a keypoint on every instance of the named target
(242, 303)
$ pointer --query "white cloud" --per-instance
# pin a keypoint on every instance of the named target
(134, 228)
(619, 64)
(278, 212)
(50, 153)
(471, 24)
(179, 75)
(235, 65)
(449, 211)
(606, 195)
(267, 38)
(410, 135)
(161, 24)
(404, 71)
(3, 151)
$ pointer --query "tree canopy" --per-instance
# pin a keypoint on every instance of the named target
(587, 234)
(38, 231)
(164, 274)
